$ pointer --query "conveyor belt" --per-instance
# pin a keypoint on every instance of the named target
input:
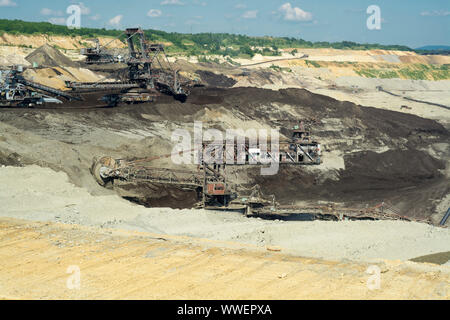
(47, 89)
(95, 86)
(444, 219)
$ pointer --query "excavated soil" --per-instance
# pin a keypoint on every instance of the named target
(158, 195)
(435, 258)
(369, 179)
(49, 57)
(371, 156)
(216, 80)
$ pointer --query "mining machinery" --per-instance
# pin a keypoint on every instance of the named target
(99, 54)
(210, 180)
(146, 77)
(303, 145)
(215, 191)
(16, 91)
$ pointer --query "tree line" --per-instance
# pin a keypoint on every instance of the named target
(198, 44)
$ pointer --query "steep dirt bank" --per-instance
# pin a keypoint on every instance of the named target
(68, 43)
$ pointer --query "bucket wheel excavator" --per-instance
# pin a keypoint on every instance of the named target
(216, 190)
(149, 73)
(211, 180)
(98, 54)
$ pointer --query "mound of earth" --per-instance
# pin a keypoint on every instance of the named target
(157, 195)
(49, 56)
(216, 80)
(435, 258)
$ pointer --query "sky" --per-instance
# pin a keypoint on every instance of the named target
(414, 23)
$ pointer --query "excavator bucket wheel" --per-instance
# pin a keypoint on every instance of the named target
(98, 164)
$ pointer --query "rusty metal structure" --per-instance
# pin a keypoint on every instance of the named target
(213, 159)
(98, 54)
(216, 192)
(145, 71)
(106, 169)
(301, 149)
(16, 91)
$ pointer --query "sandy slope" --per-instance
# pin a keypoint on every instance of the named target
(36, 41)
(38, 261)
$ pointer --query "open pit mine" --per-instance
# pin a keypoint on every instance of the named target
(88, 177)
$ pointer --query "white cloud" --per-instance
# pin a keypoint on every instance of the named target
(116, 20)
(240, 6)
(57, 20)
(95, 17)
(50, 12)
(435, 13)
(154, 13)
(7, 3)
(172, 2)
(294, 13)
(252, 14)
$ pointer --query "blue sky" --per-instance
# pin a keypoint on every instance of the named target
(408, 22)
